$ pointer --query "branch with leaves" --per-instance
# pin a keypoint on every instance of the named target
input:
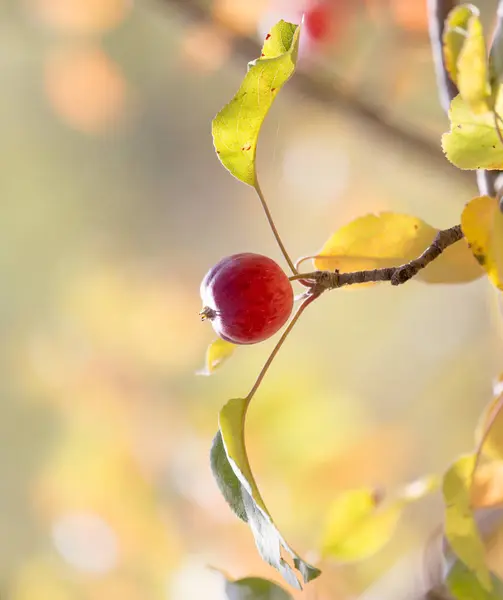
(402, 248)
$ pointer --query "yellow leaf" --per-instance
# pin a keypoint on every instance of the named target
(390, 239)
(455, 34)
(466, 56)
(217, 353)
(460, 525)
(356, 527)
(482, 224)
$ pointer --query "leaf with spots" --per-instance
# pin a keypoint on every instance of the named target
(389, 239)
(232, 471)
(237, 126)
(473, 141)
(482, 224)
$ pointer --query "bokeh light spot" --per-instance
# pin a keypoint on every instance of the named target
(85, 88)
(86, 542)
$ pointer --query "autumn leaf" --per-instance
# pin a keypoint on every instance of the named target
(389, 239)
(482, 225)
(255, 588)
(473, 141)
(460, 526)
(237, 126)
(360, 522)
(466, 56)
(216, 354)
(232, 471)
(455, 34)
(356, 528)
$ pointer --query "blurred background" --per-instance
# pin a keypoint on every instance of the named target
(114, 206)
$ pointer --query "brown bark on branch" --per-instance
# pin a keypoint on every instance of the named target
(329, 280)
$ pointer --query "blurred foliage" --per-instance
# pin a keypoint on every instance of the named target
(114, 207)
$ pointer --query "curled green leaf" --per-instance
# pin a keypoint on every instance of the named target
(237, 126)
(232, 471)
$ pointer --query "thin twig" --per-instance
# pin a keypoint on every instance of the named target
(329, 280)
(311, 296)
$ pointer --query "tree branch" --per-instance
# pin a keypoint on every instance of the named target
(437, 13)
(329, 280)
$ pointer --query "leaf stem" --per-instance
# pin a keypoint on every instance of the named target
(310, 298)
(494, 414)
(273, 227)
(328, 280)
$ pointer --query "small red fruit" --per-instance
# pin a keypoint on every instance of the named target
(247, 297)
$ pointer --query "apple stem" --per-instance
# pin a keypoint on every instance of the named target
(273, 227)
(310, 298)
(208, 313)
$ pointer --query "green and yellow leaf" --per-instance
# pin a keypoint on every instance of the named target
(232, 471)
(388, 240)
(473, 141)
(460, 526)
(216, 354)
(482, 224)
(237, 126)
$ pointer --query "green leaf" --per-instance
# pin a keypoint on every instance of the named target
(387, 239)
(216, 354)
(482, 224)
(228, 483)
(461, 529)
(236, 127)
(473, 141)
(242, 493)
(466, 56)
(464, 585)
(255, 588)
